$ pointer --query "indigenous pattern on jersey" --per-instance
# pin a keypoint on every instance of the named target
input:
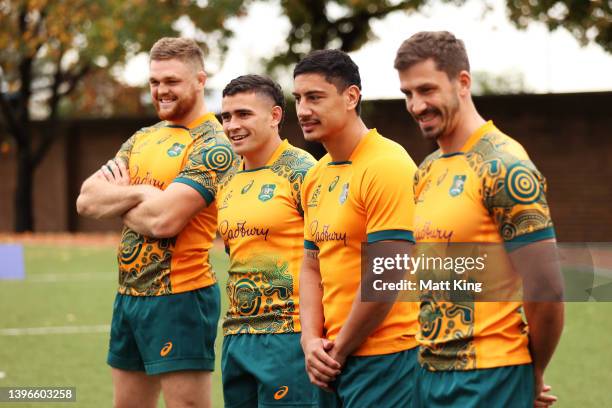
(368, 198)
(200, 156)
(261, 223)
(489, 192)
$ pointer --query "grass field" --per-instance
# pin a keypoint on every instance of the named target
(75, 287)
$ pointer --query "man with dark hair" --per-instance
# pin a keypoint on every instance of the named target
(363, 352)
(479, 187)
(261, 223)
(163, 183)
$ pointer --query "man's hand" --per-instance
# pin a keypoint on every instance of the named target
(116, 172)
(542, 399)
(321, 368)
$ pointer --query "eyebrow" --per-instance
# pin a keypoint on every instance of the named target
(315, 92)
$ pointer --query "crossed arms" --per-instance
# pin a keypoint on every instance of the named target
(145, 209)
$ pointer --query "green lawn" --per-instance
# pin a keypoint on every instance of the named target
(76, 287)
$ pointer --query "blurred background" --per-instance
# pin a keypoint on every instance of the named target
(73, 87)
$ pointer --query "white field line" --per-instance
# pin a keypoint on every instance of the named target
(25, 331)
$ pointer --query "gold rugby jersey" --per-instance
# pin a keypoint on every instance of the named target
(198, 155)
(488, 192)
(261, 223)
(368, 198)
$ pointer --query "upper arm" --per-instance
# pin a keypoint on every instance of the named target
(514, 193)
(206, 167)
(389, 200)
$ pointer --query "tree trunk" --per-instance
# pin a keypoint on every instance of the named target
(24, 220)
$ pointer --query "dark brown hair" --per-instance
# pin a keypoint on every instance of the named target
(447, 51)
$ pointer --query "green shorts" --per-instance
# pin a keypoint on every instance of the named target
(160, 334)
(381, 381)
(265, 370)
(511, 386)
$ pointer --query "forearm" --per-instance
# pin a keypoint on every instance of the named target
(147, 217)
(362, 320)
(545, 321)
(164, 214)
(311, 295)
(101, 199)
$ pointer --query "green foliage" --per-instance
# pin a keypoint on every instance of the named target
(587, 20)
(506, 83)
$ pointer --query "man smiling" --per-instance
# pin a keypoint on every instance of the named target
(261, 223)
(163, 183)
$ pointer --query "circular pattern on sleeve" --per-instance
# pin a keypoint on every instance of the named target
(218, 158)
(521, 184)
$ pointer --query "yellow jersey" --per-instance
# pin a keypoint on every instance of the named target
(200, 156)
(488, 192)
(261, 223)
(368, 198)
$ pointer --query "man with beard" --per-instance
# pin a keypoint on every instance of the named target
(163, 183)
(262, 225)
(479, 187)
(363, 352)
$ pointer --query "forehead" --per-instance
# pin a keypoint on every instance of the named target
(247, 101)
(422, 72)
(169, 67)
(311, 82)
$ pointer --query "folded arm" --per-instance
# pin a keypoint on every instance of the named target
(163, 214)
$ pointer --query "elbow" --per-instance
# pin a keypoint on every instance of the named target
(84, 207)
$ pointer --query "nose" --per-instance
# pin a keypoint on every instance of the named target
(302, 109)
(416, 105)
(232, 125)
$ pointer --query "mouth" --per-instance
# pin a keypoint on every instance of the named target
(309, 126)
(237, 138)
(427, 118)
(166, 102)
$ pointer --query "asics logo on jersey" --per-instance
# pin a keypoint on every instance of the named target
(166, 349)
(282, 391)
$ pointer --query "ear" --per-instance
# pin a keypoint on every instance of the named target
(277, 116)
(202, 79)
(352, 95)
(464, 80)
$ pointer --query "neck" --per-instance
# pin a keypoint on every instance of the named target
(198, 110)
(341, 145)
(468, 121)
(260, 157)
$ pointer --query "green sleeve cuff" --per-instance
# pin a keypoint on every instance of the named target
(310, 245)
(390, 235)
(526, 239)
(206, 194)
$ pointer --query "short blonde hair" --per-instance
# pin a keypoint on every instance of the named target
(184, 49)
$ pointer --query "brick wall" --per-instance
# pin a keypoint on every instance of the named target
(568, 136)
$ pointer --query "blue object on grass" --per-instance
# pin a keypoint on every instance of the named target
(11, 261)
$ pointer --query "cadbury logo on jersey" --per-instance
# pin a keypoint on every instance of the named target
(325, 234)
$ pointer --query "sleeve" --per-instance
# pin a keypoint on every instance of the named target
(304, 195)
(206, 167)
(303, 165)
(514, 193)
(126, 149)
(388, 197)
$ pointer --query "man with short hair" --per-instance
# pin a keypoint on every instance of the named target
(479, 187)
(163, 183)
(261, 223)
(365, 352)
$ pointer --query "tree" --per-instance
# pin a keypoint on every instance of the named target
(48, 46)
(587, 20)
